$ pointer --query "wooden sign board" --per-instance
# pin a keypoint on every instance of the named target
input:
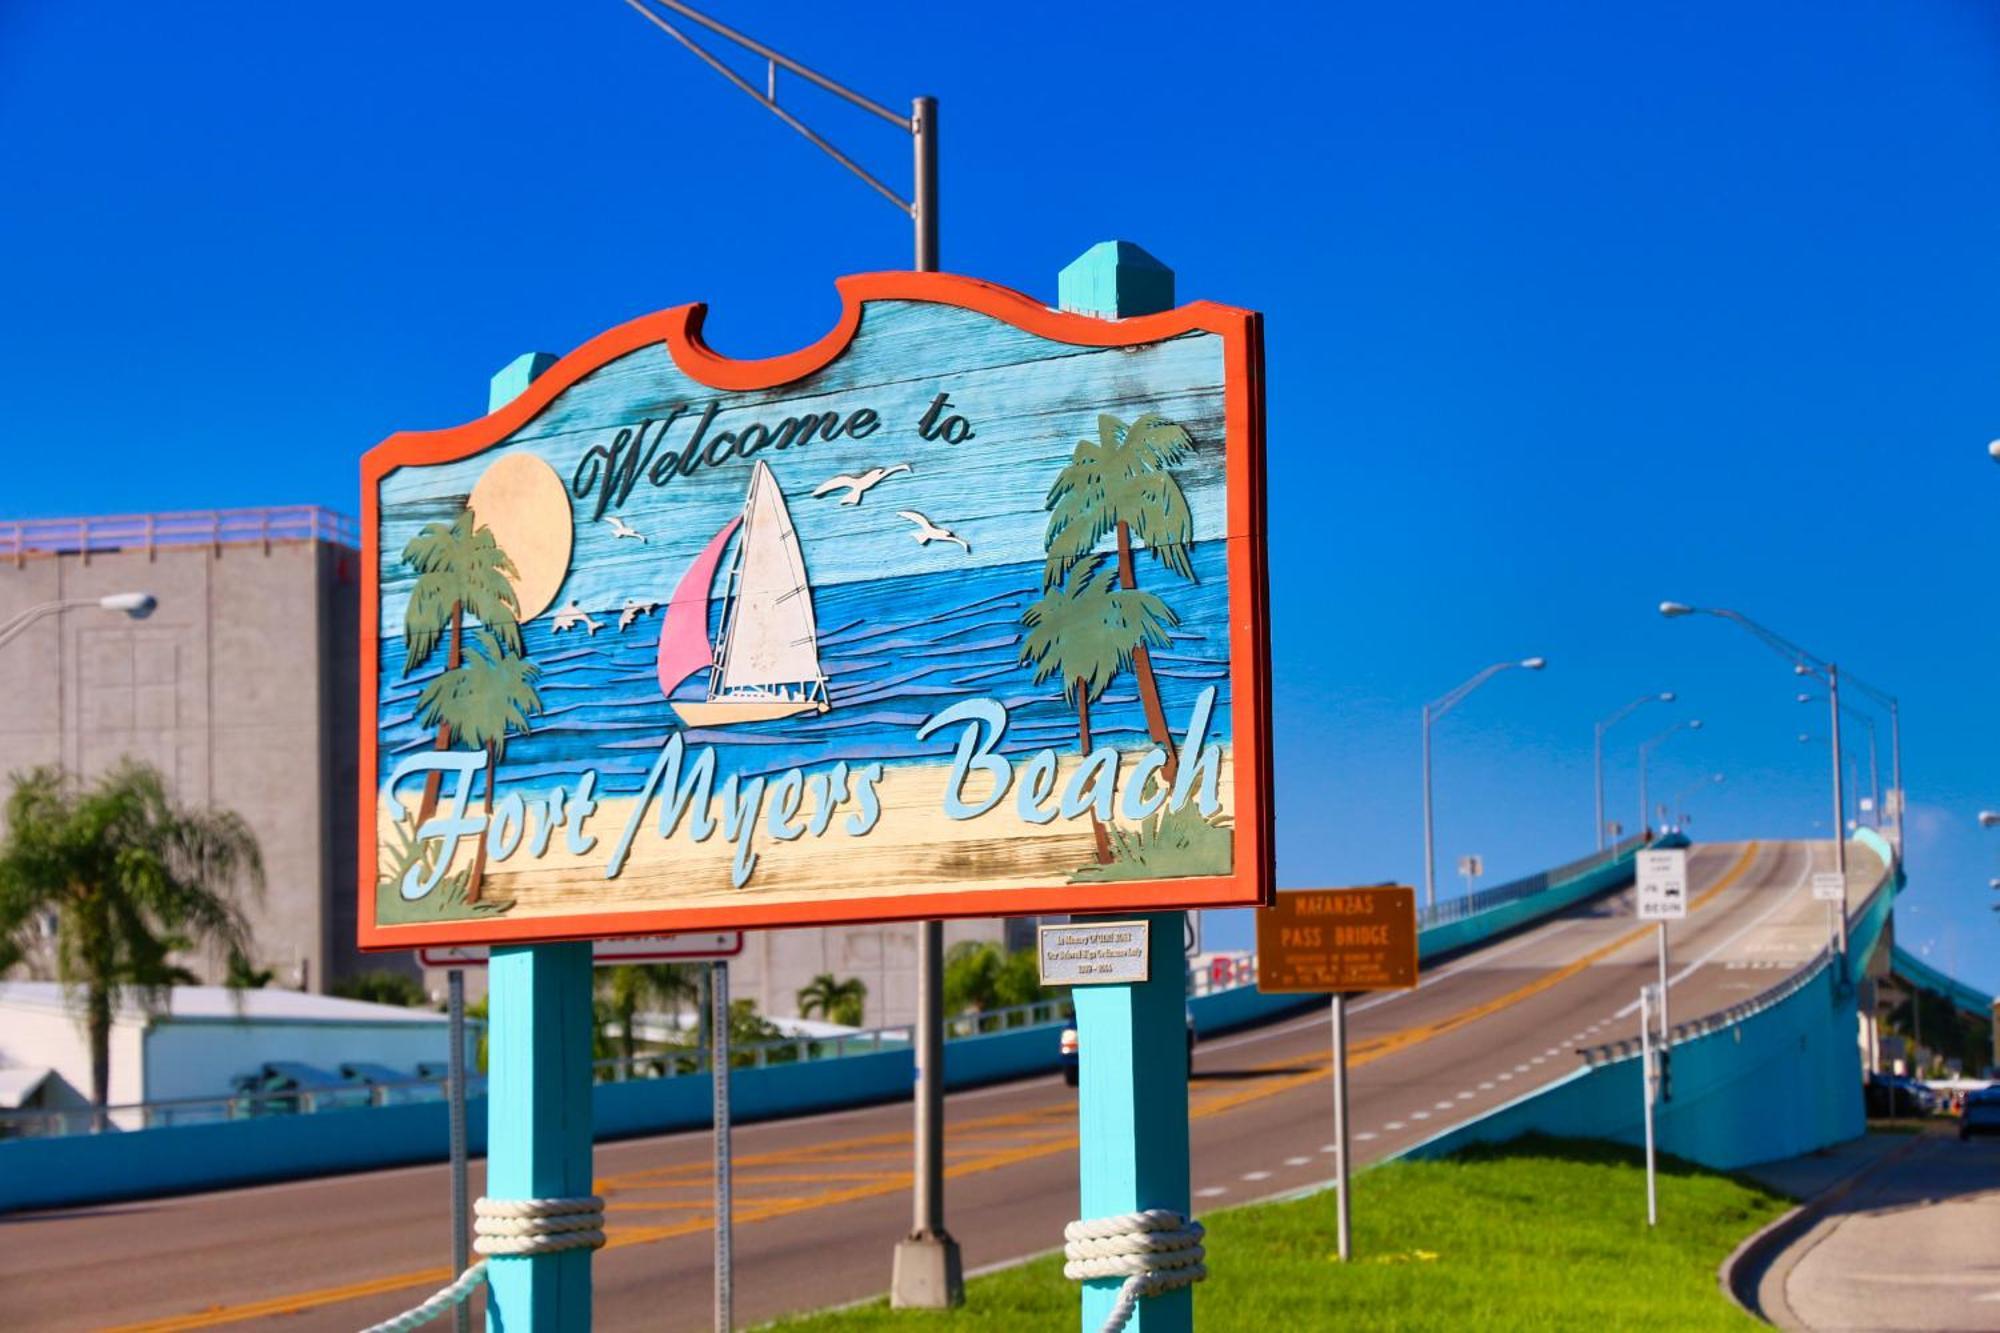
(1321, 941)
(958, 612)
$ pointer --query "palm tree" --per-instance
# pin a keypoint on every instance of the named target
(461, 571)
(1123, 484)
(630, 987)
(836, 1001)
(129, 879)
(489, 694)
(1085, 632)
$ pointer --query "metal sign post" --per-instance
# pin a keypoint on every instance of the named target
(718, 1067)
(1339, 941)
(1649, 1083)
(461, 1245)
(1341, 1171)
(1663, 897)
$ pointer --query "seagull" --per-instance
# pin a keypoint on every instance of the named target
(928, 532)
(861, 485)
(620, 528)
(634, 608)
(569, 617)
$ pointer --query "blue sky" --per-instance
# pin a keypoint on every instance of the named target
(1570, 309)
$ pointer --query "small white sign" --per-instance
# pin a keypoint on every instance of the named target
(1471, 866)
(688, 947)
(1663, 884)
(1828, 886)
(1097, 953)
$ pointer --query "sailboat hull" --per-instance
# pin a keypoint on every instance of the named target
(729, 712)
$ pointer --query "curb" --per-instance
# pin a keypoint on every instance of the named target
(1743, 1271)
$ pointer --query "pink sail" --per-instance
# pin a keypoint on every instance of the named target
(684, 645)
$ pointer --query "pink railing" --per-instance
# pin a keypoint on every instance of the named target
(104, 533)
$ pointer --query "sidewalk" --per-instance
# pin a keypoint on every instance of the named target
(1906, 1241)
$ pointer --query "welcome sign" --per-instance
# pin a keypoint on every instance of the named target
(958, 612)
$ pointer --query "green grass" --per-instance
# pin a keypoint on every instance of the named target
(1537, 1234)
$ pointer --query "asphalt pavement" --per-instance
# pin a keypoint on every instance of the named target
(821, 1200)
(1915, 1245)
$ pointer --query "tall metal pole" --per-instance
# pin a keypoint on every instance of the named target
(718, 1022)
(927, 1268)
(1430, 855)
(1598, 754)
(1645, 812)
(1647, 1084)
(1664, 1029)
(1839, 814)
(461, 1245)
(1343, 1175)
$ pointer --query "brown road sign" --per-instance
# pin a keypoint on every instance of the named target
(1325, 940)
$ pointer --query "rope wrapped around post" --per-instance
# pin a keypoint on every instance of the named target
(505, 1228)
(1154, 1251)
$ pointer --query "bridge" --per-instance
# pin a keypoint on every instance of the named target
(1526, 1019)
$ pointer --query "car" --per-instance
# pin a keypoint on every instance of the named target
(1067, 1048)
(1892, 1095)
(1982, 1113)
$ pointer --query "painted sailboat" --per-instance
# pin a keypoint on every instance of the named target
(765, 662)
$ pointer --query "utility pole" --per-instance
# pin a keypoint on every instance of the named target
(927, 1273)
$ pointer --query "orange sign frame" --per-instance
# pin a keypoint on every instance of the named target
(679, 331)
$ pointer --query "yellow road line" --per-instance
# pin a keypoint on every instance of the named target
(1361, 1053)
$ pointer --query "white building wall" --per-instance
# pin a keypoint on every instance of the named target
(203, 1059)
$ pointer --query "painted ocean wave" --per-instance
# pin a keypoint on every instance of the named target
(886, 672)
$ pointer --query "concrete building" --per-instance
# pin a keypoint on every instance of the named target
(205, 1039)
(240, 687)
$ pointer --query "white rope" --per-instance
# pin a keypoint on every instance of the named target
(510, 1227)
(1154, 1251)
(537, 1226)
(436, 1305)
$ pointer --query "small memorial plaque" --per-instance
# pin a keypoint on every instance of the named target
(1093, 954)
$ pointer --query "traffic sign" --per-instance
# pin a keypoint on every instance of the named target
(1323, 941)
(691, 947)
(1663, 884)
(1472, 867)
(1828, 886)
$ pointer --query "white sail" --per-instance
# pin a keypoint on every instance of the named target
(771, 642)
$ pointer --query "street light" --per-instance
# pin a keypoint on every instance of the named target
(1432, 712)
(1805, 663)
(1645, 748)
(1680, 797)
(1988, 818)
(1993, 451)
(137, 605)
(1874, 771)
(926, 1270)
(1664, 697)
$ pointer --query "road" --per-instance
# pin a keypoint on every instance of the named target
(821, 1200)
(1912, 1247)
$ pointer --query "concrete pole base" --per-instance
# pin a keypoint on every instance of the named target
(928, 1274)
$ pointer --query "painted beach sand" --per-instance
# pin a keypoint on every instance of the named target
(861, 634)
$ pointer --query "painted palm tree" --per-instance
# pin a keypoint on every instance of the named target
(124, 879)
(629, 988)
(1084, 631)
(461, 571)
(835, 1001)
(489, 695)
(1122, 485)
